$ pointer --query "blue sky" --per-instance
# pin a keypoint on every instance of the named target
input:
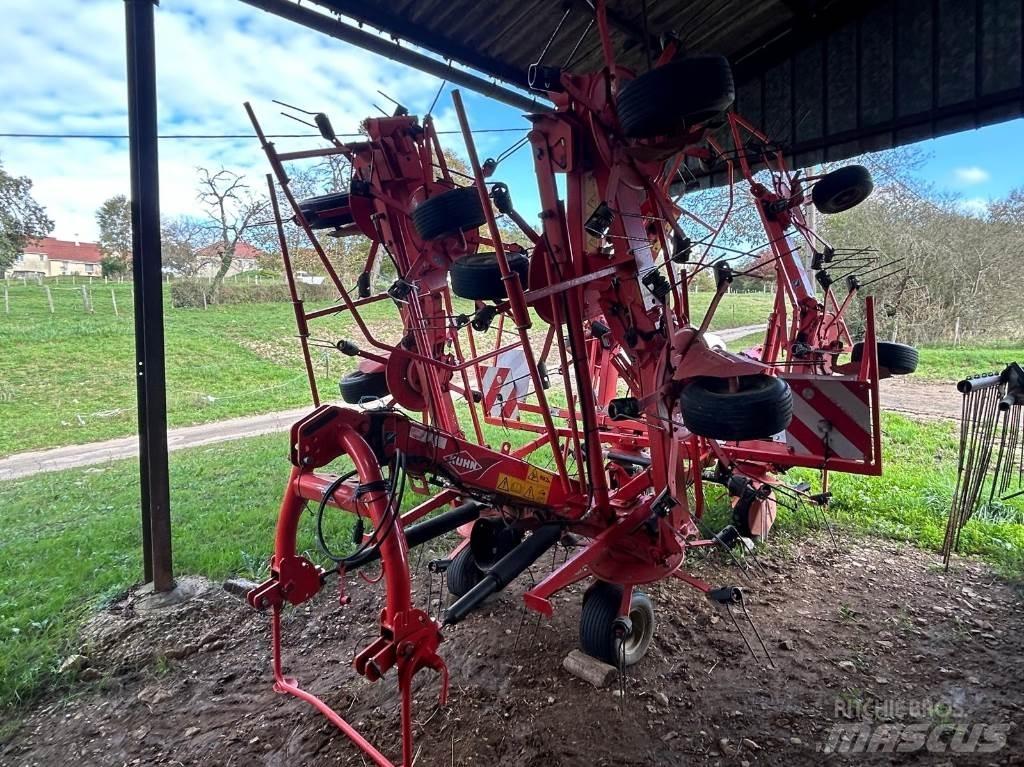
(64, 73)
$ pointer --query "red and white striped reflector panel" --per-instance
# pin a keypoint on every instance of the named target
(505, 383)
(831, 417)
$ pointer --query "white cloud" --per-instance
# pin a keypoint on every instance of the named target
(64, 72)
(975, 206)
(971, 175)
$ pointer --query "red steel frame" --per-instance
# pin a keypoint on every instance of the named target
(651, 347)
(805, 335)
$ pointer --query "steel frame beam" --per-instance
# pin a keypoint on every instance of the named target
(146, 278)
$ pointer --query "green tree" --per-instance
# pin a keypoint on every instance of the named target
(21, 217)
(114, 220)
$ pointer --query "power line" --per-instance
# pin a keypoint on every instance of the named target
(191, 136)
(108, 136)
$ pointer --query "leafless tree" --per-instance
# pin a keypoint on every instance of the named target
(233, 210)
(960, 277)
(184, 239)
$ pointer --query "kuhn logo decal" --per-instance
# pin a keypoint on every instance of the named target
(463, 463)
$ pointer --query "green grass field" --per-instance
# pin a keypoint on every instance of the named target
(946, 364)
(67, 377)
(71, 539)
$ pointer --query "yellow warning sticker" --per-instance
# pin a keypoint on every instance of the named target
(534, 488)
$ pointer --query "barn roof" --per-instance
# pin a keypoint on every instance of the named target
(827, 78)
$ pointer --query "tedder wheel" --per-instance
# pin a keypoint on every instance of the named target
(842, 189)
(328, 211)
(463, 573)
(357, 386)
(478, 276)
(898, 359)
(457, 210)
(760, 407)
(676, 96)
(598, 630)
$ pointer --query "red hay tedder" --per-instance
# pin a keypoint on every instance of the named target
(644, 411)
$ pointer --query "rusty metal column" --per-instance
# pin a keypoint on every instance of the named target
(146, 279)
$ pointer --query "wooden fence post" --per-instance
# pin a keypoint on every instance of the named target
(49, 298)
(7, 302)
(113, 300)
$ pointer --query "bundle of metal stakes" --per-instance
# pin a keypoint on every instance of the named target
(991, 463)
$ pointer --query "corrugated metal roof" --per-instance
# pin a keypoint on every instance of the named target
(504, 37)
(826, 78)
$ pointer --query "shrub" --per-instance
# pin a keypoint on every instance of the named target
(112, 267)
(189, 294)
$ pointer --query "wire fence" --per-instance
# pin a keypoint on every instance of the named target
(91, 294)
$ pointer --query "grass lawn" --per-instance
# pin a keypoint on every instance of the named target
(71, 539)
(947, 364)
(67, 377)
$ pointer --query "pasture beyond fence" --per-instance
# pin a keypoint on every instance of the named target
(90, 294)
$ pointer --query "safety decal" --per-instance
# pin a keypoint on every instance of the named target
(535, 487)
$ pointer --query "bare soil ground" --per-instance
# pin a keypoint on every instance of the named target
(876, 628)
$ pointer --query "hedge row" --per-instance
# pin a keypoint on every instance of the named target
(193, 294)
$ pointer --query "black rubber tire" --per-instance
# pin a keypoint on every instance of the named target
(457, 210)
(357, 386)
(463, 573)
(898, 359)
(676, 96)
(762, 406)
(842, 189)
(478, 277)
(328, 211)
(597, 624)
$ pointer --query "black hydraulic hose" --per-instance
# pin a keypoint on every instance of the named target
(503, 573)
(632, 459)
(422, 532)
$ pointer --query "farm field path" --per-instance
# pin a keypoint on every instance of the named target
(73, 456)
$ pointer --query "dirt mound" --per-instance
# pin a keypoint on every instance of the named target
(874, 631)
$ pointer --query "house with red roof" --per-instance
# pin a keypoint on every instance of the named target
(50, 257)
(246, 259)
